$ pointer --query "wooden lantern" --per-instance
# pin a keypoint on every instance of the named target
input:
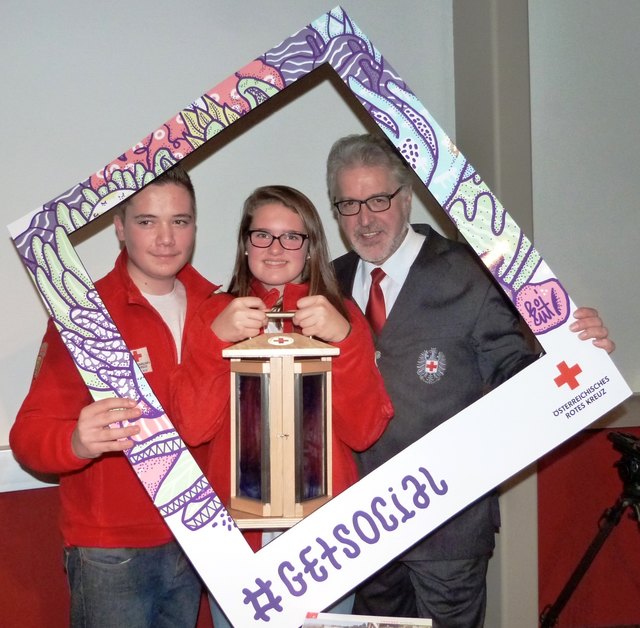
(280, 428)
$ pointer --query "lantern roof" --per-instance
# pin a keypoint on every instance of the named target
(280, 344)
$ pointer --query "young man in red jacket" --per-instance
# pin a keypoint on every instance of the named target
(123, 565)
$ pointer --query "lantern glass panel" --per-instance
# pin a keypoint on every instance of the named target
(311, 436)
(252, 434)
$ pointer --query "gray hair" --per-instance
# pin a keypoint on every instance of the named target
(364, 150)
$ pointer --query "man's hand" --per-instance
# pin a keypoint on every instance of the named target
(93, 436)
(588, 324)
(243, 318)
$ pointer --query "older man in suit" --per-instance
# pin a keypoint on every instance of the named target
(430, 300)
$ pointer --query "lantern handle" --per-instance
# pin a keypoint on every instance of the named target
(280, 314)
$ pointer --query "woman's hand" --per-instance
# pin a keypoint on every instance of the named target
(317, 317)
(243, 318)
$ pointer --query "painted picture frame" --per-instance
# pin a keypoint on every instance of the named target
(360, 530)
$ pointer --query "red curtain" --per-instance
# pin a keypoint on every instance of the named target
(577, 482)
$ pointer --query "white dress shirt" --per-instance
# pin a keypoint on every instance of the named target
(396, 269)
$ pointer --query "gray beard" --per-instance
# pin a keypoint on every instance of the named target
(393, 247)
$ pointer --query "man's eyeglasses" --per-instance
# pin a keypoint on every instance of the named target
(292, 240)
(377, 203)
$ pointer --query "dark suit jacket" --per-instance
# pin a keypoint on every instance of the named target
(450, 337)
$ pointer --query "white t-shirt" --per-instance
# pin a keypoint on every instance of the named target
(172, 307)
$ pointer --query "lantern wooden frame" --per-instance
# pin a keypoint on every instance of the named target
(281, 361)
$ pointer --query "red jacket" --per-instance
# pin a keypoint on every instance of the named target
(103, 502)
(361, 407)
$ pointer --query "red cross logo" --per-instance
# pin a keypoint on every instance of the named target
(568, 375)
(281, 340)
(431, 366)
(137, 356)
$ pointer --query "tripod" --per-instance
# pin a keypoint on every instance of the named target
(629, 471)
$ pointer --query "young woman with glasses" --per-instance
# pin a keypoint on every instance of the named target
(282, 263)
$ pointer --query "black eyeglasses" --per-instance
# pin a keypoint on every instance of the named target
(291, 240)
(377, 203)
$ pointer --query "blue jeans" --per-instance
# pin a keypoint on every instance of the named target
(149, 587)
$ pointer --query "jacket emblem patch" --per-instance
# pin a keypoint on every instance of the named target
(141, 356)
(432, 365)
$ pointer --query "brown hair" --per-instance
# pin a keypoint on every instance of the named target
(318, 270)
(176, 175)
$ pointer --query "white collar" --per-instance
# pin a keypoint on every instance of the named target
(398, 265)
